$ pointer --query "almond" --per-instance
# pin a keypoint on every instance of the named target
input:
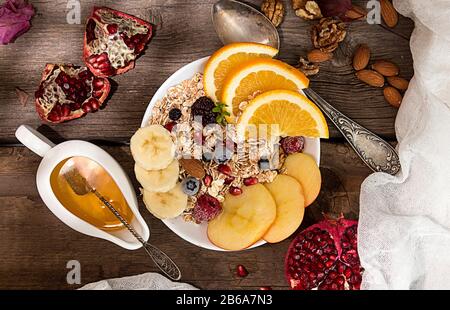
(385, 68)
(319, 56)
(392, 96)
(389, 14)
(356, 13)
(370, 77)
(361, 57)
(193, 167)
(398, 82)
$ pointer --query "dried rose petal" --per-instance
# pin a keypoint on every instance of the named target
(15, 18)
(330, 8)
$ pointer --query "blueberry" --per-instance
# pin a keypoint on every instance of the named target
(190, 186)
(175, 114)
(207, 156)
(264, 164)
(222, 154)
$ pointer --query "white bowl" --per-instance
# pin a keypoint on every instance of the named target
(54, 154)
(196, 233)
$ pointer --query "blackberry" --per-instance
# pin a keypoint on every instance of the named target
(203, 107)
(175, 114)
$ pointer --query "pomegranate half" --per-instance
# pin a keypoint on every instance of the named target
(324, 256)
(113, 40)
(67, 92)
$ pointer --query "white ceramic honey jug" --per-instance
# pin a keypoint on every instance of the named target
(52, 155)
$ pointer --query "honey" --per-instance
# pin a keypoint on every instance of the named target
(88, 207)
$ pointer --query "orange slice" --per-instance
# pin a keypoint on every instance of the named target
(228, 58)
(259, 75)
(283, 113)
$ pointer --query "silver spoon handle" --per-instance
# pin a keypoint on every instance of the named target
(164, 262)
(375, 152)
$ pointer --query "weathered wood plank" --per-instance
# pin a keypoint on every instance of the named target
(36, 246)
(186, 34)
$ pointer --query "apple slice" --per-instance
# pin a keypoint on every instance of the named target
(288, 195)
(244, 218)
(304, 169)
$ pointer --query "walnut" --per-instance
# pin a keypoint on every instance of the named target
(308, 68)
(306, 9)
(274, 10)
(327, 34)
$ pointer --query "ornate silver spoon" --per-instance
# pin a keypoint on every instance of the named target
(238, 22)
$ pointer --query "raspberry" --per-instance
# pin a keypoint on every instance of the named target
(292, 145)
(206, 208)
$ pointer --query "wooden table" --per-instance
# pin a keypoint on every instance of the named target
(35, 246)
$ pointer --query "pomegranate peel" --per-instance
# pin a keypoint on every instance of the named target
(68, 92)
(113, 40)
(324, 256)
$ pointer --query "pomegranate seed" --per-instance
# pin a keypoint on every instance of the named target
(97, 93)
(228, 180)
(94, 104)
(241, 271)
(235, 191)
(169, 126)
(102, 57)
(53, 117)
(265, 288)
(66, 86)
(104, 65)
(95, 65)
(75, 106)
(65, 110)
(225, 169)
(112, 28)
(85, 75)
(250, 181)
(207, 180)
(98, 83)
(86, 107)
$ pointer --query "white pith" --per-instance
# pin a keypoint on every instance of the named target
(119, 54)
(53, 93)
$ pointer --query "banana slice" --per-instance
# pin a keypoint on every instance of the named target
(166, 205)
(158, 180)
(152, 147)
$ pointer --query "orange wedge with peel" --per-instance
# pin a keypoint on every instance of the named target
(282, 113)
(259, 76)
(228, 58)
